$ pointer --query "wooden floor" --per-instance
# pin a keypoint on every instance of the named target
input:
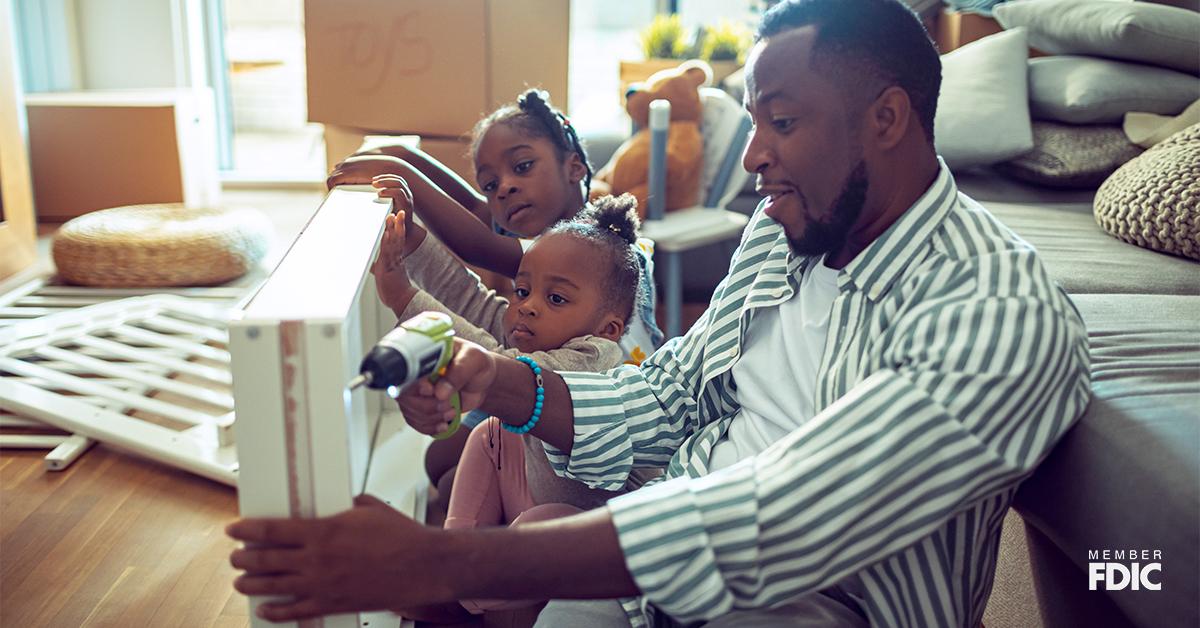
(114, 540)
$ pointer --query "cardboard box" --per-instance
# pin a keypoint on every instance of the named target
(430, 67)
(95, 150)
(341, 142)
(956, 29)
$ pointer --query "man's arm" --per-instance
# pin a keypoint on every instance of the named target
(372, 558)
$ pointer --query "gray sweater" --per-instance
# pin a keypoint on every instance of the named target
(445, 285)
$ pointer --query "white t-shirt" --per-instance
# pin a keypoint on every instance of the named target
(776, 374)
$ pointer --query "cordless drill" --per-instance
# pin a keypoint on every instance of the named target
(419, 347)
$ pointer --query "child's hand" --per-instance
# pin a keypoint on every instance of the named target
(391, 278)
(394, 187)
(361, 169)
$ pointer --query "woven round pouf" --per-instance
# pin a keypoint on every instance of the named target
(1153, 201)
(151, 246)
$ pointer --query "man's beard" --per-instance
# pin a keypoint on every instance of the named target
(820, 238)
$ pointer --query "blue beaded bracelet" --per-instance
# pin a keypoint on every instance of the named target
(537, 404)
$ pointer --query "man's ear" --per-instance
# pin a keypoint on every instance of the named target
(888, 118)
(576, 170)
(612, 328)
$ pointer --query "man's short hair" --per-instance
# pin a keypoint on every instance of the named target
(865, 46)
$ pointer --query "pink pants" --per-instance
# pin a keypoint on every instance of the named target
(491, 489)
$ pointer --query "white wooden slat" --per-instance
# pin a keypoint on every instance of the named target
(224, 425)
(156, 357)
(200, 456)
(89, 387)
(41, 383)
(12, 420)
(71, 449)
(60, 302)
(217, 293)
(61, 327)
(20, 292)
(31, 441)
(74, 345)
(175, 325)
(109, 369)
(108, 404)
(75, 369)
(27, 312)
(163, 340)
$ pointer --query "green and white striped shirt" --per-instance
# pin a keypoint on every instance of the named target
(953, 364)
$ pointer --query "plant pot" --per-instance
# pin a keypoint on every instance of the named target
(722, 70)
(637, 71)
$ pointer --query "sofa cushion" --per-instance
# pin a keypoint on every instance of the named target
(983, 111)
(1127, 476)
(1154, 200)
(1085, 90)
(1084, 259)
(1134, 31)
(1066, 155)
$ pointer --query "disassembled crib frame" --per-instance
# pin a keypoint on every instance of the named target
(22, 306)
(88, 371)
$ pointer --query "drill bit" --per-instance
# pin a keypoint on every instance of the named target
(359, 380)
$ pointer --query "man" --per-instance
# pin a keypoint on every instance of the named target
(843, 429)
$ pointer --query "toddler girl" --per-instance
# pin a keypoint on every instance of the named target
(573, 296)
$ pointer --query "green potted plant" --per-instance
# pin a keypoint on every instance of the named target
(724, 47)
(664, 44)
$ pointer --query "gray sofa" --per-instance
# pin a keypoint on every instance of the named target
(1128, 475)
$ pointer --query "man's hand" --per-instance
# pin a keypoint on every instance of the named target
(471, 371)
(370, 557)
(361, 169)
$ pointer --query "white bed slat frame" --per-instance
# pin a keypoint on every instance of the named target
(305, 441)
(58, 370)
(39, 297)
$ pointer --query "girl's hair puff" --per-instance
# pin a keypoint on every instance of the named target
(534, 115)
(611, 224)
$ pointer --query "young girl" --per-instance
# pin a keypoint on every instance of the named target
(551, 333)
(561, 314)
(533, 173)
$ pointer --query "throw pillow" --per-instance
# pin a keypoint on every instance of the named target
(1134, 31)
(1154, 200)
(1085, 90)
(1067, 156)
(983, 110)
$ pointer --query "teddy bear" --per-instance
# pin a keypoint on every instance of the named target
(628, 170)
